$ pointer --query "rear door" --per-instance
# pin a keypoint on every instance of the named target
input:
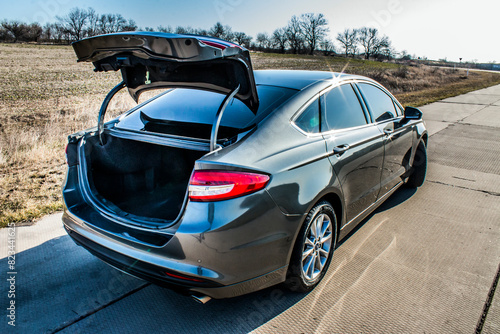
(398, 136)
(355, 147)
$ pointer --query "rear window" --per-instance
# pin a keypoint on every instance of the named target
(188, 106)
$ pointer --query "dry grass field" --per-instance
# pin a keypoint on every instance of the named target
(45, 95)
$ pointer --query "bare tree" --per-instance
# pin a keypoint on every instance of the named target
(384, 48)
(15, 29)
(167, 29)
(109, 23)
(4, 34)
(61, 34)
(348, 40)
(75, 23)
(220, 31)
(279, 39)
(404, 55)
(92, 23)
(263, 40)
(202, 32)
(314, 29)
(294, 34)
(327, 46)
(184, 30)
(242, 39)
(32, 33)
(369, 40)
(48, 32)
(129, 26)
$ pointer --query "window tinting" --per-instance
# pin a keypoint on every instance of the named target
(380, 104)
(309, 119)
(341, 109)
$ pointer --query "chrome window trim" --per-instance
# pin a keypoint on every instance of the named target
(316, 97)
(382, 88)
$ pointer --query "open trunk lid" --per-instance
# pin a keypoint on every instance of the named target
(152, 60)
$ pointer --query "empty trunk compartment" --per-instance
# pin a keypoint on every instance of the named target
(142, 179)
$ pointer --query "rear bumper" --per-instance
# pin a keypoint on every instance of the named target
(156, 274)
(221, 249)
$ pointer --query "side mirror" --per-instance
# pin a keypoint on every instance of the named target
(412, 113)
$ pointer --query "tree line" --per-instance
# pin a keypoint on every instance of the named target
(304, 34)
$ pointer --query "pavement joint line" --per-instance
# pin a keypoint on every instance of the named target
(487, 303)
(60, 328)
(461, 121)
(467, 103)
(492, 193)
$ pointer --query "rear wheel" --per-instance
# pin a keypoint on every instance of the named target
(417, 177)
(313, 249)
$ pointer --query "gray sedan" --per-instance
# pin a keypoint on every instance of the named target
(231, 180)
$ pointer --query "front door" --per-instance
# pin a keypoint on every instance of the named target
(356, 148)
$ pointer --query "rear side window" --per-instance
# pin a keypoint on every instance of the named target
(308, 120)
(340, 109)
(380, 104)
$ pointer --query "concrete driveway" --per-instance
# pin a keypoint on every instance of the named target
(424, 262)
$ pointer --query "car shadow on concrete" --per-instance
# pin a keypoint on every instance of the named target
(61, 287)
(400, 196)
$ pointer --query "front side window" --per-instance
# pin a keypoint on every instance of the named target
(340, 109)
(308, 120)
(380, 104)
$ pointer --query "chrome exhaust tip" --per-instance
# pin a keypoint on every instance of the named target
(201, 299)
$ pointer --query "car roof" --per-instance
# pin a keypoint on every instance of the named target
(299, 79)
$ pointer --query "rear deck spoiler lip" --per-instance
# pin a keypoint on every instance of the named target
(152, 60)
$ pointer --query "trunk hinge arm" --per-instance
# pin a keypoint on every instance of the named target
(218, 117)
(104, 107)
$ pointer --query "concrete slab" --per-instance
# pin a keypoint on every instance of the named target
(57, 282)
(489, 116)
(464, 178)
(465, 146)
(434, 127)
(446, 112)
(494, 90)
(484, 99)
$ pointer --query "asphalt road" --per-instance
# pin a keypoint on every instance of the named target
(424, 262)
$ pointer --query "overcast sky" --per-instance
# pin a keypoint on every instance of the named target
(427, 28)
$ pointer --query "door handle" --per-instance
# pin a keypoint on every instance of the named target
(388, 131)
(340, 149)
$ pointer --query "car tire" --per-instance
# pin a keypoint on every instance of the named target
(313, 249)
(419, 168)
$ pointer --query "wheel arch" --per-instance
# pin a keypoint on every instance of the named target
(334, 197)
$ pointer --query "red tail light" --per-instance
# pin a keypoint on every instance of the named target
(215, 45)
(186, 278)
(213, 185)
